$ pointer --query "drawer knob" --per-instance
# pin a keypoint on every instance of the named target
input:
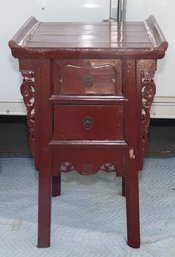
(88, 81)
(87, 123)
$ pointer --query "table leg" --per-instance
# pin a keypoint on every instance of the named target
(123, 187)
(44, 209)
(56, 185)
(132, 207)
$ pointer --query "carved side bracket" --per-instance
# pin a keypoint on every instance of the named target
(28, 93)
(147, 70)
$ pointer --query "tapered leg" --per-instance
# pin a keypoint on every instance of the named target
(44, 209)
(132, 206)
(56, 185)
(123, 187)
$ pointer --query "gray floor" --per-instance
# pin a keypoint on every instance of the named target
(89, 218)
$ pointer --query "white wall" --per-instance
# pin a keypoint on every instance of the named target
(13, 13)
(163, 10)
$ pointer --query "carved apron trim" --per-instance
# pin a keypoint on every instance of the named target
(87, 169)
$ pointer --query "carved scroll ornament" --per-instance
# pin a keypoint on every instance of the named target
(28, 93)
(147, 70)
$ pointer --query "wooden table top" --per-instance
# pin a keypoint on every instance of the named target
(37, 38)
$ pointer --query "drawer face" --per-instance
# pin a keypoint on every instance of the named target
(87, 77)
(86, 122)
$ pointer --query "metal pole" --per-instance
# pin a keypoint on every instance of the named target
(124, 11)
(121, 10)
(120, 14)
(110, 9)
(118, 10)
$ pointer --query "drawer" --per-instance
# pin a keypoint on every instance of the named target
(87, 77)
(88, 122)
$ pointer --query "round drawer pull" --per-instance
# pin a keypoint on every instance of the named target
(87, 123)
(88, 81)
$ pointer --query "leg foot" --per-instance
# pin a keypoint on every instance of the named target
(132, 206)
(123, 187)
(44, 210)
(56, 185)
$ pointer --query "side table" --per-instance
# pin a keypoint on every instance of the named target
(88, 90)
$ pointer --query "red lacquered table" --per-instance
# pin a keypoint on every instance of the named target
(88, 90)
